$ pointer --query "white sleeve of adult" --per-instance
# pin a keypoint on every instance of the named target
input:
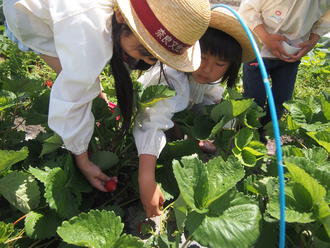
(84, 46)
(322, 26)
(250, 10)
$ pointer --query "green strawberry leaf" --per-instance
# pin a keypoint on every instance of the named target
(98, 229)
(41, 226)
(155, 93)
(59, 197)
(243, 137)
(21, 190)
(322, 138)
(5, 231)
(51, 144)
(237, 225)
(201, 184)
(9, 158)
(105, 159)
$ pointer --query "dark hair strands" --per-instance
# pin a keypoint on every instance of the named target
(220, 44)
(123, 81)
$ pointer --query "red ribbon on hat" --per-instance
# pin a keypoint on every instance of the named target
(156, 29)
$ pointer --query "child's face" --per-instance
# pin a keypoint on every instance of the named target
(131, 45)
(211, 69)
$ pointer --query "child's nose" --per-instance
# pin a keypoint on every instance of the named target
(206, 67)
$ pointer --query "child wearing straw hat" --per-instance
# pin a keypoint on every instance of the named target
(224, 46)
(78, 38)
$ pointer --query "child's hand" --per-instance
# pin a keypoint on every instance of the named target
(151, 197)
(92, 172)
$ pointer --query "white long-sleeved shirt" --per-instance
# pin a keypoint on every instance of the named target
(295, 19)
(78, 32)
(152, 122)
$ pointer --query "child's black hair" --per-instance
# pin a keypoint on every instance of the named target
(220, 44)
(123, 81)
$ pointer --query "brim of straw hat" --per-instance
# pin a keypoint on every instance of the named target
(187, 62)
(225, 21)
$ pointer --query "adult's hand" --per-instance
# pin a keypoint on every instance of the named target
(93, 173)
(273, 42)
(305, 46)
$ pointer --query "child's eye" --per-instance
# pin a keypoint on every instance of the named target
(220, 64)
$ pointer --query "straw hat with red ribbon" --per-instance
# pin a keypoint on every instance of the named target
(225, 21)
(169, 29)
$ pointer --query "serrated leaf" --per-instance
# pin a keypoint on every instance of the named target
(178, 149)
(222, 176)
(248, 159)
(76, 181)
(202, 127)
(105, 159)
(189, 178)
(222, 109)
(155, 93)
(6, 229)
(236, 226)
(303, 196)
(21, 190)
(59, 197)
(325, 107)
(51, 144)
(243, 137)
(295, 207)
(9, 158)
(41, 226)
(316, 164)
(128, 241)
(322, 138)
(97, 229)
(298, 175)
(256, 148)
(41, 175)
(7, 99)
(180, 211)
(240, 106)
(251, 118)
(200, 184)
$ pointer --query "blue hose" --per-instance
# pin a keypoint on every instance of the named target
(274, 121)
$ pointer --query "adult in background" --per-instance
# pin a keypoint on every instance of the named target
(288, 29)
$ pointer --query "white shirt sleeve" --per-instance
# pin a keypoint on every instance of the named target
(250, 10)
(84, 46)
(213, 94)
(322, 26)
(152, 122)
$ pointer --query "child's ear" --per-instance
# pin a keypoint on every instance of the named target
(119, 17)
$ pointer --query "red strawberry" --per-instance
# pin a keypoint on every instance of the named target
(48, 83)
(112, 106)
(111, 185)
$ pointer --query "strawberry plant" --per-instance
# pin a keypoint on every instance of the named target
(225, 199)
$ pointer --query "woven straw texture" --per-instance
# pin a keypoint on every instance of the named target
(187, 20)
(224, 20)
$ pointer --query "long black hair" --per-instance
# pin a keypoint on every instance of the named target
(123, 81)
(220, 44)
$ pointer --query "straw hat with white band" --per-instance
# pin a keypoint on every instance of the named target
(169, 29)
(225, 21)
